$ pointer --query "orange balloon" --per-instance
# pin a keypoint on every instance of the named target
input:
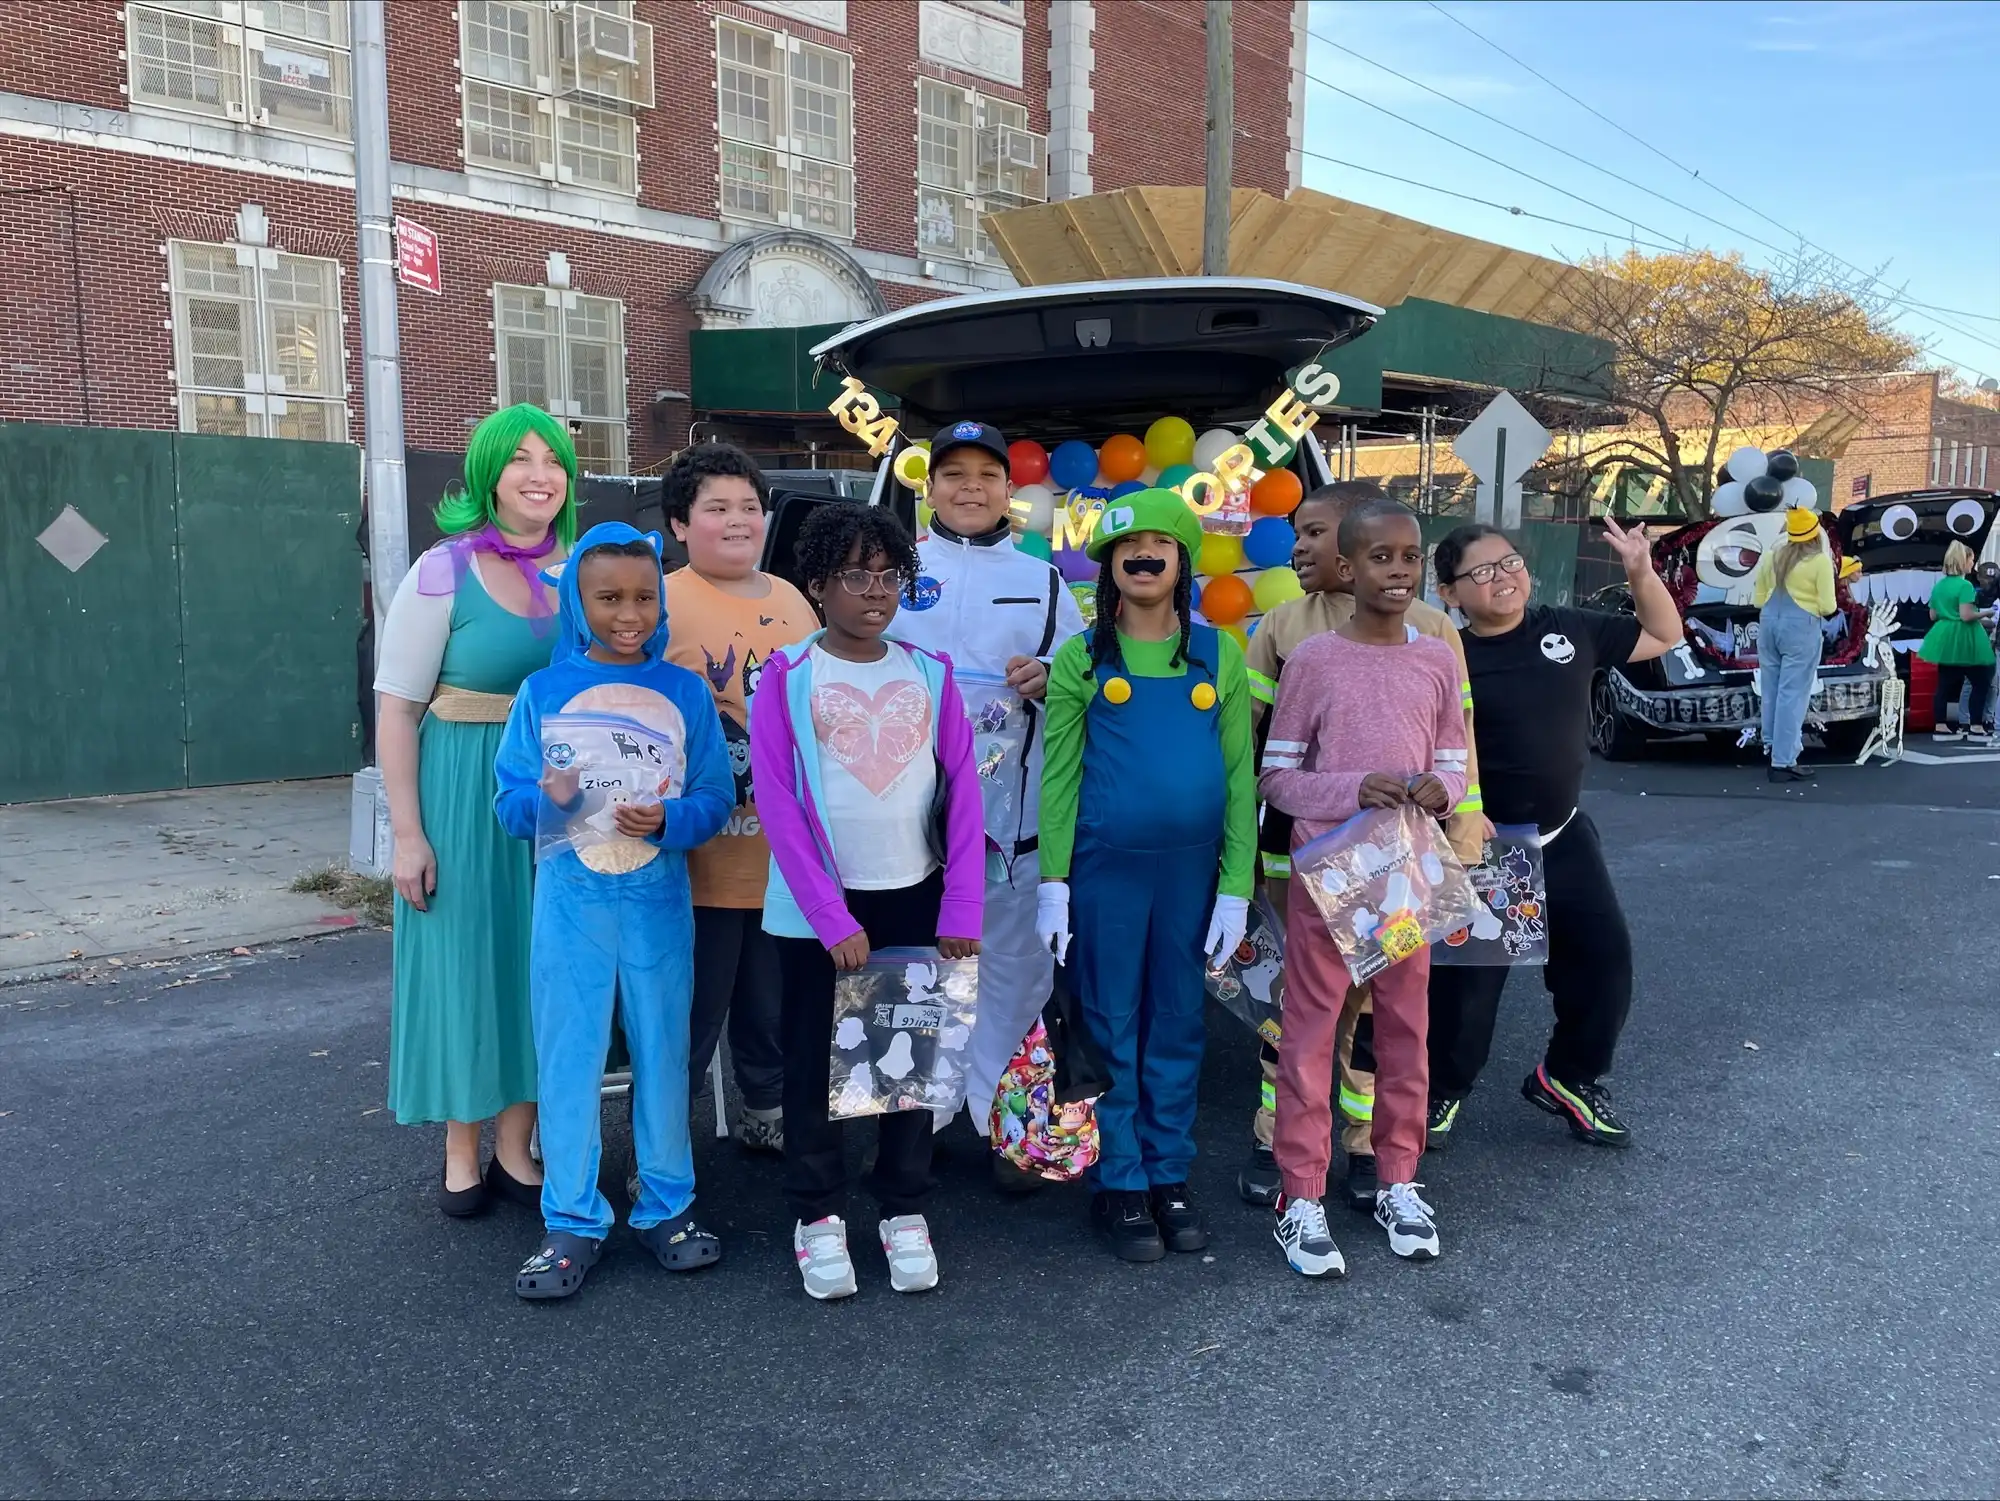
(1226, 600)
(1123, 457)
(1277, 493)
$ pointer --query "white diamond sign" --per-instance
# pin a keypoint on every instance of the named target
(71, 540)
(1499, 446)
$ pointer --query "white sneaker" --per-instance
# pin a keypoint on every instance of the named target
(1946, 735)
(823, 1260)
(1400, 1211)
(906, 1241)
(1308, 1243)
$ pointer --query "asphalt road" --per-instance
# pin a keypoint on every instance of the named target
(221, 1271)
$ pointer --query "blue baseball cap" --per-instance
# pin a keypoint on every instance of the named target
(969, 434)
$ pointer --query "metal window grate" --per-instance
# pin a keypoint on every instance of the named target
(257, 349)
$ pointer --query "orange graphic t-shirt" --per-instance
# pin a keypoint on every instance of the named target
(727, 639)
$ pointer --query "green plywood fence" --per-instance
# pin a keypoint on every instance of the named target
(210, 639)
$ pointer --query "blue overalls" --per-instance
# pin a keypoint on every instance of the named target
(1142, 882)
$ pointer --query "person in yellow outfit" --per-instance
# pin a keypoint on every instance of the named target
(1794, 590)
(1326, 606)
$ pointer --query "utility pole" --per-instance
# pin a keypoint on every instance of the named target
(1221, 140)
(386, 489)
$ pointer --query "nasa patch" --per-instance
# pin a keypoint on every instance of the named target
(967, 430)
(925, 594)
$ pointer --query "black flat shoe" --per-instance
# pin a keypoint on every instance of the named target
(463, 1203)
(504, 1185)
(1790, 774)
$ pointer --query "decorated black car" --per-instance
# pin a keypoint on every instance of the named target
(1900, 541)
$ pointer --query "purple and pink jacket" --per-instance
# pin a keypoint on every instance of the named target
(805, 897)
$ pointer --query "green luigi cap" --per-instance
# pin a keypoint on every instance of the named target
(1145, 511)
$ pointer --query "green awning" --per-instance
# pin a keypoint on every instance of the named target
(1434, 341)
(761, 370)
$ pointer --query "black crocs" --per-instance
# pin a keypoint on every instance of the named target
(559, 1267)
(681, 1245)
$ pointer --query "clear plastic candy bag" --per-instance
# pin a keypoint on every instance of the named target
(1250, 982)
(1510, 919)
(901, 1024)
(999, 721)
(1387, 884)
(1033, 1129)
(612, 760)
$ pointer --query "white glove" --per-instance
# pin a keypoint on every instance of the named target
(1225, 929)
(1052, 918)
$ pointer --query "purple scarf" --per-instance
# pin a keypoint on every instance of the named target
(443, 568)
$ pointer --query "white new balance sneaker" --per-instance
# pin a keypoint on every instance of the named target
(1307, 1242)
(1408, 1219)
(913, 1265)
(824, 1264)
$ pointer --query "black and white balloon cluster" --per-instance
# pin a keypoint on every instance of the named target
(1754, 482)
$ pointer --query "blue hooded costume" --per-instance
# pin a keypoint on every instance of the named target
(614, 924)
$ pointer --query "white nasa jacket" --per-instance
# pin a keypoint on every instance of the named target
(982, 603)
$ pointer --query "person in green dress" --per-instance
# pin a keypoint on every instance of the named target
(1958, 645)
(471, 620)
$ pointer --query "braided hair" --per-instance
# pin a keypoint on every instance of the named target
(1104, 647)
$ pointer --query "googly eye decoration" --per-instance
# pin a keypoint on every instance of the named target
(1759, 482)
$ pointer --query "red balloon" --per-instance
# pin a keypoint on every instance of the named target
(1226, 600)
(1027, 462)
(1122, 458)
(1277, 493)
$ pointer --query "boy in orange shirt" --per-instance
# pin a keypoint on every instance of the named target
(727, 618)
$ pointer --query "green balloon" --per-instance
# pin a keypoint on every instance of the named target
(1034, 544)
(1174, 476)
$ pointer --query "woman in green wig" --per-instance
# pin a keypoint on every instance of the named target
(471, 620)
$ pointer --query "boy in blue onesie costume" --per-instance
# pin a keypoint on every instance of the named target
(614, 918)
(1149, 811)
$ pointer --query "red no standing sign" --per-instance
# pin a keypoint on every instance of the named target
(417, 257)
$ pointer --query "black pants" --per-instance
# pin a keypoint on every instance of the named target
(1589, 977)
(1950, 680)
(815, 1155)
(736, 980)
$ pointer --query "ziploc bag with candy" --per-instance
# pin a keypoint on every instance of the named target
(1387, 884)
(1510, 920)
(1249, 983)
(612, 760)
(999, 719)
(901, 1024)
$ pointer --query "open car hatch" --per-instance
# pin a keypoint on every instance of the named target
(1090, 358)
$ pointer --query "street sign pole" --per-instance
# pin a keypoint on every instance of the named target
(1499, 446)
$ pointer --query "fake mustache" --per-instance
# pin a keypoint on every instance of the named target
(1144, 565)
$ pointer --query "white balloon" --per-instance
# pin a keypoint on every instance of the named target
(1211, 446)
(1729, 501)
(1799, 491)
(1747, 463)
(1041, 503)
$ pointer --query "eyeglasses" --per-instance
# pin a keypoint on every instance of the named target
(1485, 573)
(868, 580)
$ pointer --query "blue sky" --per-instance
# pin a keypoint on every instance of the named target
(1873, 130)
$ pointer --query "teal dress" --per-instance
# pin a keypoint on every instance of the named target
(461, 1047)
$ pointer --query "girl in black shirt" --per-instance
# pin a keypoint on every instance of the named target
(1531, 668)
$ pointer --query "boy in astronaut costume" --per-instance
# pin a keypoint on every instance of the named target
(994, 610)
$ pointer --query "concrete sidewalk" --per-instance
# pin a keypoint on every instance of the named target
(165, 873)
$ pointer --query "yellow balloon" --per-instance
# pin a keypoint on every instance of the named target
(924, 513)
(1220, 554)
(1274, 586)
(913, 466)
(1241, 636)
(1170, 441)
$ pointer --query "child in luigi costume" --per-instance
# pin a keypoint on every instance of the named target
(1148, 842)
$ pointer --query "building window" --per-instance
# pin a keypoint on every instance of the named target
(282, 64)
(975, 155)
(257, 349)
(550, 92)
(785, 112)
(565, 352)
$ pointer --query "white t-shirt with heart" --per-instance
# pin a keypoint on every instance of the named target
(878, 772)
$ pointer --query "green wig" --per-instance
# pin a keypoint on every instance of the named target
(491, 449)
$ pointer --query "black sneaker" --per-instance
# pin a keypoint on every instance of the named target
(1437, 1126)
(1587, 1108)
(1361, 1184)
(1181, 1224)
(1123, 1218)
(1259, 1183)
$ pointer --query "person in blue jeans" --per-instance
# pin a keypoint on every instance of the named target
(614, 916)
(1794, 590)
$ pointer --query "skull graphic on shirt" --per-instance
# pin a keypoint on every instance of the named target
(1558, 648)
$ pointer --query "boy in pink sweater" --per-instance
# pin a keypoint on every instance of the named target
(1367, 716)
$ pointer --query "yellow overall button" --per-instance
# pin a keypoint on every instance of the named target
(1116, 690)
(1203, 696)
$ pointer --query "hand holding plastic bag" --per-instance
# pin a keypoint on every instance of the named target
(1387, 884)
(1510, 919)
(901, 1023)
